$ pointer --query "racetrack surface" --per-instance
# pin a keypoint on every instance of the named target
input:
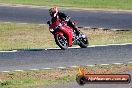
(39, 59)
(89, 18)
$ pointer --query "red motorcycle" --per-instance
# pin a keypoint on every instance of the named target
(65, 36)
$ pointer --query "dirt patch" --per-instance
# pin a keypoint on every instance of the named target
(109, 70)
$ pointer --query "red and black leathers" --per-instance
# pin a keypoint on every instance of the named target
(63, 17)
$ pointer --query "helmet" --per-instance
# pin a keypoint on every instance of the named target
(53, 12)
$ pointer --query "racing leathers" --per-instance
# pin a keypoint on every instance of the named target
(64, 17)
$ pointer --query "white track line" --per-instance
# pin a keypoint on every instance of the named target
(34, 69)
(105, 64)
(22, 23)
(111, 45)
(7, 22)
(5, 71)
(19, 70)
(130, 62)
(41, 24)
(8, 51)
(91, 65)
(61, 67)
(117, 63)
(74, 66)
(47, 68)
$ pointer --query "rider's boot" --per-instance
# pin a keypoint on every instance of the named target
(76, 30)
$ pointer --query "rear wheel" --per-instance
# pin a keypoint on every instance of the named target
(83, 40)
(61, 41)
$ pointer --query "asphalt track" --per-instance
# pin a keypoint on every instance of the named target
(98, 19)
(40, 58)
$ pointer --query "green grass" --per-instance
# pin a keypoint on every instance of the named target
(31, 82)
(100, 37)
(32, 36)
(112, 4)
(34, 79)
(21, 36)
(29, 79)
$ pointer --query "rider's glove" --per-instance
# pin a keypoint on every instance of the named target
(67, 19)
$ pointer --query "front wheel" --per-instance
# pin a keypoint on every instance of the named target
(83, 41)
(61, 41)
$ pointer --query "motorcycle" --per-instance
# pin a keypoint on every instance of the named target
(65, 36)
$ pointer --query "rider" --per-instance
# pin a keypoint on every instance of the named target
(54, 13)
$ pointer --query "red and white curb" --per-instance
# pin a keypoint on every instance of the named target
(66, 67)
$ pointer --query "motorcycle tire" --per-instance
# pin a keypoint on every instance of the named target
(61, 42)
(83, 42)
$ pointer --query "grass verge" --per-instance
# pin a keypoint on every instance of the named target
(30, 79)
(31, 36)
(112, 4)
